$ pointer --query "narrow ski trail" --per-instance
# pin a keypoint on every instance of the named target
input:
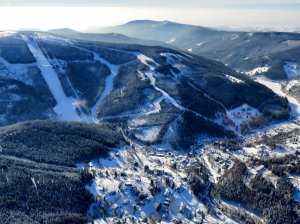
(66, 106)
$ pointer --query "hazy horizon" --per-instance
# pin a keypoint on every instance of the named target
(275, 15)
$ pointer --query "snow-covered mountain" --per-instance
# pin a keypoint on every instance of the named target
(148, 90)
(243, 51)
(133, 133)
(272, 54)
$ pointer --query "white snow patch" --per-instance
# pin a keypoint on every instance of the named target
(171, 41)
(16, 71)
(200, 44)
(292, 69)
(190, 50)
(234, 79)
(149, 134)
(258, 70)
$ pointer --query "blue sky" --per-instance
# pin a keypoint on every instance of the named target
(281, 15)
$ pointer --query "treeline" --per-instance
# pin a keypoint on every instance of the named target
(192, 126)
(260, 196)
(111, 55)
(88, 78)
(64, 52)
(62, 143)
(15, 50)
(38, 179)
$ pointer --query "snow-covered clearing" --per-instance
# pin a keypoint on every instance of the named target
(16, 71)
(258, 70)
(149, 134)
(292, 69)
(66, 106)
(276, 87)
(243, 115)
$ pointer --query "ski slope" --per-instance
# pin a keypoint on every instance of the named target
(276, 87)
(66, 106)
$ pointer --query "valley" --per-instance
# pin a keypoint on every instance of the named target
(98, 132)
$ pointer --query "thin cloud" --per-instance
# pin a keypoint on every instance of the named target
(154, 3)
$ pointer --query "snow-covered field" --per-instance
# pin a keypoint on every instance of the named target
(276, 87)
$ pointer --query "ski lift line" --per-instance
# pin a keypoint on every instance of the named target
(60, 68)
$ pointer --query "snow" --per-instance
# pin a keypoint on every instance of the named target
(258, 70)
(171, 41)
(234, 79)
(276, 87)
(126, 188)
(234, 36)
(149, 134)
(190, 50)
(241, 116)
(176, 64)
(108, 82)
(292, 69)
(16, 71)
(6, 33)
(200, 44)
(290, 84)
(145, 60)
(53, 38)
(65, 107)
(114, 69)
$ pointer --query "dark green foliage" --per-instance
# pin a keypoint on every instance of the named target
(64, 52)
(111, 55)
(33, 102)
(260, 197)
(198, 178)
(276, 107)
(194, 126)
(15, 50)
(38, 180)
(62, 143)
(88, 78)
(129, 93)
(58, 197)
